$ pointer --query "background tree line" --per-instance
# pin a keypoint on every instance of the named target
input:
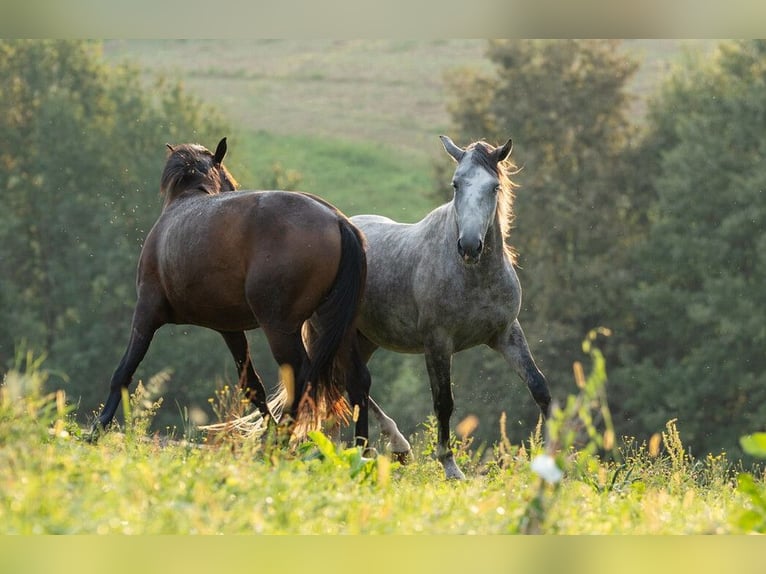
(651, 228)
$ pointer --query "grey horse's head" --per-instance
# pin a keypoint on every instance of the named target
(477, 184)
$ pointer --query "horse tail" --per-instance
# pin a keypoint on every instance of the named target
(330, 334)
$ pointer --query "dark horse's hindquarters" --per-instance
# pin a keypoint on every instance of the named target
(237, 261)
(447, 283)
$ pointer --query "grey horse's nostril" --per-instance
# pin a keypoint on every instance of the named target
(469, 251)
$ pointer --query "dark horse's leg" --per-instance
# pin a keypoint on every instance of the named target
(287, 349)
(147, 318)
(438, 354)
(513, 346)
(357, 383)
(358, 388)
(252, 385)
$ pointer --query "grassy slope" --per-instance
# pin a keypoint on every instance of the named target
(358, 119)
(53, 483)
(357, 177)
(388, 92)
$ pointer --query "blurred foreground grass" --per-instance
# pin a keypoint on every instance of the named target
(54, 482)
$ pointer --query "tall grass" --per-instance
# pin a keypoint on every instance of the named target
(51, 481)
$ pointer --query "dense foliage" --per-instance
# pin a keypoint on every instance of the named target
(698, 277)
(80, 158)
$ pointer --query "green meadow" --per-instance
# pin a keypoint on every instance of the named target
(132, 481)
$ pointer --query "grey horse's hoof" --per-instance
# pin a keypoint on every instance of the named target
(402, 457)
(451, 470)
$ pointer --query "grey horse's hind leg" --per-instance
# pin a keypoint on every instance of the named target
(439, 363)
(514, 348)
(400, 447)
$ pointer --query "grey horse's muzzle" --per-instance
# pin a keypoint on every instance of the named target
(470, 250)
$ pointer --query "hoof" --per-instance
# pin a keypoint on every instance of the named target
(451, 470)
(95, 433)
(369, 452)
(402, 457)
(455, 474)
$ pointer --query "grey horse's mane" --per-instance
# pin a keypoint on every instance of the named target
(504, 170)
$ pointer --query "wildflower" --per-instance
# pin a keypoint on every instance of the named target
(545, 466)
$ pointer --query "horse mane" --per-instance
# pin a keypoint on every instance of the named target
(190, 166)
(504, 170)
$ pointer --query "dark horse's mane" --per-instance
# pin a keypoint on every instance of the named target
(192, 166)
(504, 170)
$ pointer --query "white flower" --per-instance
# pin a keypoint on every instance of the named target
(545, 466)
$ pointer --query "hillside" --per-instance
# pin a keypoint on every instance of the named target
(389, 92)
(386, 92)
(357, 119)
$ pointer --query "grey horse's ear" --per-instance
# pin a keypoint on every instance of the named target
(170, 147)
(503, 152)
(455, 151)
(220, 152)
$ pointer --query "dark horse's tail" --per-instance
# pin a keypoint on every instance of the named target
(330, 335)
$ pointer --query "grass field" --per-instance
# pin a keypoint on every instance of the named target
(357, 177)
(386, 92)
(357, 119)
(54, 482)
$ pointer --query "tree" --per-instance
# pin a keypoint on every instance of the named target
(80, 159)
(699, 300)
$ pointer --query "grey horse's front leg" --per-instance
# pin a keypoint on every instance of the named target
(514, 348)
(439, 363)
(400, 447)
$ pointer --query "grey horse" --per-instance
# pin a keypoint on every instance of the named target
(447, 283)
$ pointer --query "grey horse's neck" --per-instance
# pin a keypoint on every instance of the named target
(494, 240)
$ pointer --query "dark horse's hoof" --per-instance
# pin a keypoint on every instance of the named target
(96, 430)
(369, 452)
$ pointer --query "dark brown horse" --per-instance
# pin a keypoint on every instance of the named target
(237, 261)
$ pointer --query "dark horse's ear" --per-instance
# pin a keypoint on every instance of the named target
(220, 151)
(503, 152)
(455, 152)
(170, 147)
